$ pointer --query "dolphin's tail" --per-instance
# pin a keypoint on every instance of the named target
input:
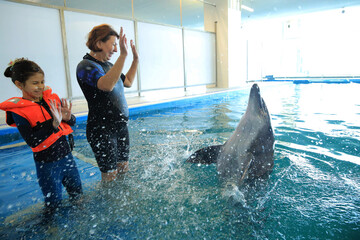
(207, 155)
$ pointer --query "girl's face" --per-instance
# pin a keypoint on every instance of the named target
(33, 87)
(108, 48)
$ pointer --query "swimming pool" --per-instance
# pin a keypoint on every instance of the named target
(312, 193)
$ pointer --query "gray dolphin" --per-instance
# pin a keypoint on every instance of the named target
(248, 153)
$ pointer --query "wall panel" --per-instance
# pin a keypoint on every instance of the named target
(200, 58)
(78, 25)
(161, 56)
(35, 35)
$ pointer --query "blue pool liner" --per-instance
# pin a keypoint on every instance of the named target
(333, 81)
(355, 80)
(271, 78)
(301, 81)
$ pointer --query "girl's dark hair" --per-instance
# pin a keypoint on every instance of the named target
(22, 70)
(100, 33)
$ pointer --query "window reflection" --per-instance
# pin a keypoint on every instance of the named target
(186, 13)
(50, 2)
(192, 14)
(320, 44)
(158, 11)
(121, 8)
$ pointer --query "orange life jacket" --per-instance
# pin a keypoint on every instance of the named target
(35, 114)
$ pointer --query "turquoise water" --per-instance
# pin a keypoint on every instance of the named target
(312, 193)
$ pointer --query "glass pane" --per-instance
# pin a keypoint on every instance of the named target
(31, 37)
(117, 7)
(193, 14)
(78, 25)
(330, 43)
(200, 62)
(300, 46)
(50, 2)
(158, 11)
(162, 47)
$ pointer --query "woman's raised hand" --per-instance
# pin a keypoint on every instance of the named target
(134, 52)
(56, 112)
(123, 43)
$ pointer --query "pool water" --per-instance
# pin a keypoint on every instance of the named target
(312, 193)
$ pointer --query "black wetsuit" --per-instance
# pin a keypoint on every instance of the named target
(106, 129)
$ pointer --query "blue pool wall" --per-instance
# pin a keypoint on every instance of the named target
(307, 80)
(12, 135)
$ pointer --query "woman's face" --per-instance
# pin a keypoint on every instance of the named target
(108, 48)
(33, 87)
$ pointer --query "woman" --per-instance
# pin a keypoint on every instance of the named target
(44, 122)
(103, 86)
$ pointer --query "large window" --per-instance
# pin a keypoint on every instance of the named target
(34, 33)
(321, 44)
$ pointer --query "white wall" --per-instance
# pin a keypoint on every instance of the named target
(34, 33)
(219, 14)
(236, 51)
(231, 53)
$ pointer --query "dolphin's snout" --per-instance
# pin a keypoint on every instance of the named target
(255, 98)
(255, 91)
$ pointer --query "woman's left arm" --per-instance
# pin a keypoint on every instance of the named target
(130, 75)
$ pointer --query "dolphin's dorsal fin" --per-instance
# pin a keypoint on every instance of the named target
(207, 155)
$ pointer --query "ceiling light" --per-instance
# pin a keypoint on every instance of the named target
(247, 8)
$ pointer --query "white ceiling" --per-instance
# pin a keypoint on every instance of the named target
(280, 8)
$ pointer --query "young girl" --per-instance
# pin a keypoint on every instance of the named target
(44, 122)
